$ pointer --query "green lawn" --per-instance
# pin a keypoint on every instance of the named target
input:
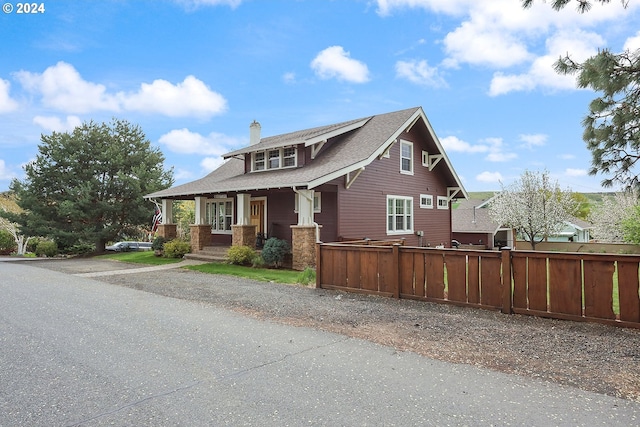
(262, 274)
(144, 257)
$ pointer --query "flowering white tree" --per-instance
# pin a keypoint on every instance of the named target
(534, 206)
(609, 216)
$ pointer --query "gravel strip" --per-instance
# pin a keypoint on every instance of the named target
(591, 357)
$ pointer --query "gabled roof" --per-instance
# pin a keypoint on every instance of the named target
(471, 216)
(355, 144)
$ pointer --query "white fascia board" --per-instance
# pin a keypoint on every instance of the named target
(444, 154)
(335, 132)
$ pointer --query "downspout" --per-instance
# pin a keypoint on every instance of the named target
(315, 224)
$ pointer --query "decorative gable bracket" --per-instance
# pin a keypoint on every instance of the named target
(352, 176)
(452, 192)
(315, 148)
(433, 159)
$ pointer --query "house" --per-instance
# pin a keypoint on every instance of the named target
(380, 177)
(574, 230)
(473, 227)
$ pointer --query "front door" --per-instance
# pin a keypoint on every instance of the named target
(257, 215)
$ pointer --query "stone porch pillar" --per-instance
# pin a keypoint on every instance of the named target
(200, 236)
(303, 246)
(168, 231)
(243, 235)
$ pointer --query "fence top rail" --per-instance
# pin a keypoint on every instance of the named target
(576, 256)
(453, 251)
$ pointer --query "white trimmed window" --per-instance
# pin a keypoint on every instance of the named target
(276, 158)
(406, 157)
(220, 215)
(426, 201)
(399, 215)
(443, 202)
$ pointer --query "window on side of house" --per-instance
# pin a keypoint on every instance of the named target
(220, 215)
(399, 215)
(274, 159)
(443, 202)
(425, 159)
(406, 157)
(317, 203)
(426, 201)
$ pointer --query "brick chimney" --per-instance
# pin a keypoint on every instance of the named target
(254, 133)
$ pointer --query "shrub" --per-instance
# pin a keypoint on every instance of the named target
(240, 255)
(257, 261)
(158, 243)
(33, 243)
(80, 249)
(307, 277)
(176, 248)
(275, 250)
(47, 248)
(7, 243)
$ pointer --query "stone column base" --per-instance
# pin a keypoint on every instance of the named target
(244, 235)
(168, 231)
(303, 246)
(200, 236)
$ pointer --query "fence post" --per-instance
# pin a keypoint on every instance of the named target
(318, 262)
(506, 281)
(396, 262)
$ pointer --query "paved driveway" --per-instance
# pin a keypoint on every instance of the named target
(75, 351)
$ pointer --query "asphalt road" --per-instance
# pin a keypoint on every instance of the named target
(75, 351)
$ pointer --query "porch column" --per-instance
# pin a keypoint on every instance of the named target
(167, 229)
(244, 209)
(305, 234)
(244, 234)
(201, 211)
(305, 207)
(200, 230)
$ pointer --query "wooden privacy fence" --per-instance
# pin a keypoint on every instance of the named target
(573, 286)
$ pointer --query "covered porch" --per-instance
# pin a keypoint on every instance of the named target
(249, 218)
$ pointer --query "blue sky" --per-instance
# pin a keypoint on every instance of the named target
(195, 73)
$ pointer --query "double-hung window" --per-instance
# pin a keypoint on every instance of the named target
(276, 158)
(399, 215)
(406, 157)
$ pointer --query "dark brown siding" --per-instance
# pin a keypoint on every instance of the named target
(363, 209)
(328, 217)
(280, 214)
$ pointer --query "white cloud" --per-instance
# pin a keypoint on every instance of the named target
(632, 43)
(211, 163)
(453, 143)
(489, 177)
(62, 88)
(567, 156)
(575, 172)
(5, 173)
(478, 46)
(6, 103)
(189, 98)
(187, 142)
(55, 124)
(289, 77)
(533, 140)
(541, 73)
(335, 62)
(419, 72)
(496, 151)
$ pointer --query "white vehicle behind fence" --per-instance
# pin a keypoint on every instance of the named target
(129, 247)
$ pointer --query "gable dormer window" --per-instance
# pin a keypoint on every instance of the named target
(277, 158)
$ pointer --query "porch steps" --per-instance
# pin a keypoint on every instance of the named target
(209, 254)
